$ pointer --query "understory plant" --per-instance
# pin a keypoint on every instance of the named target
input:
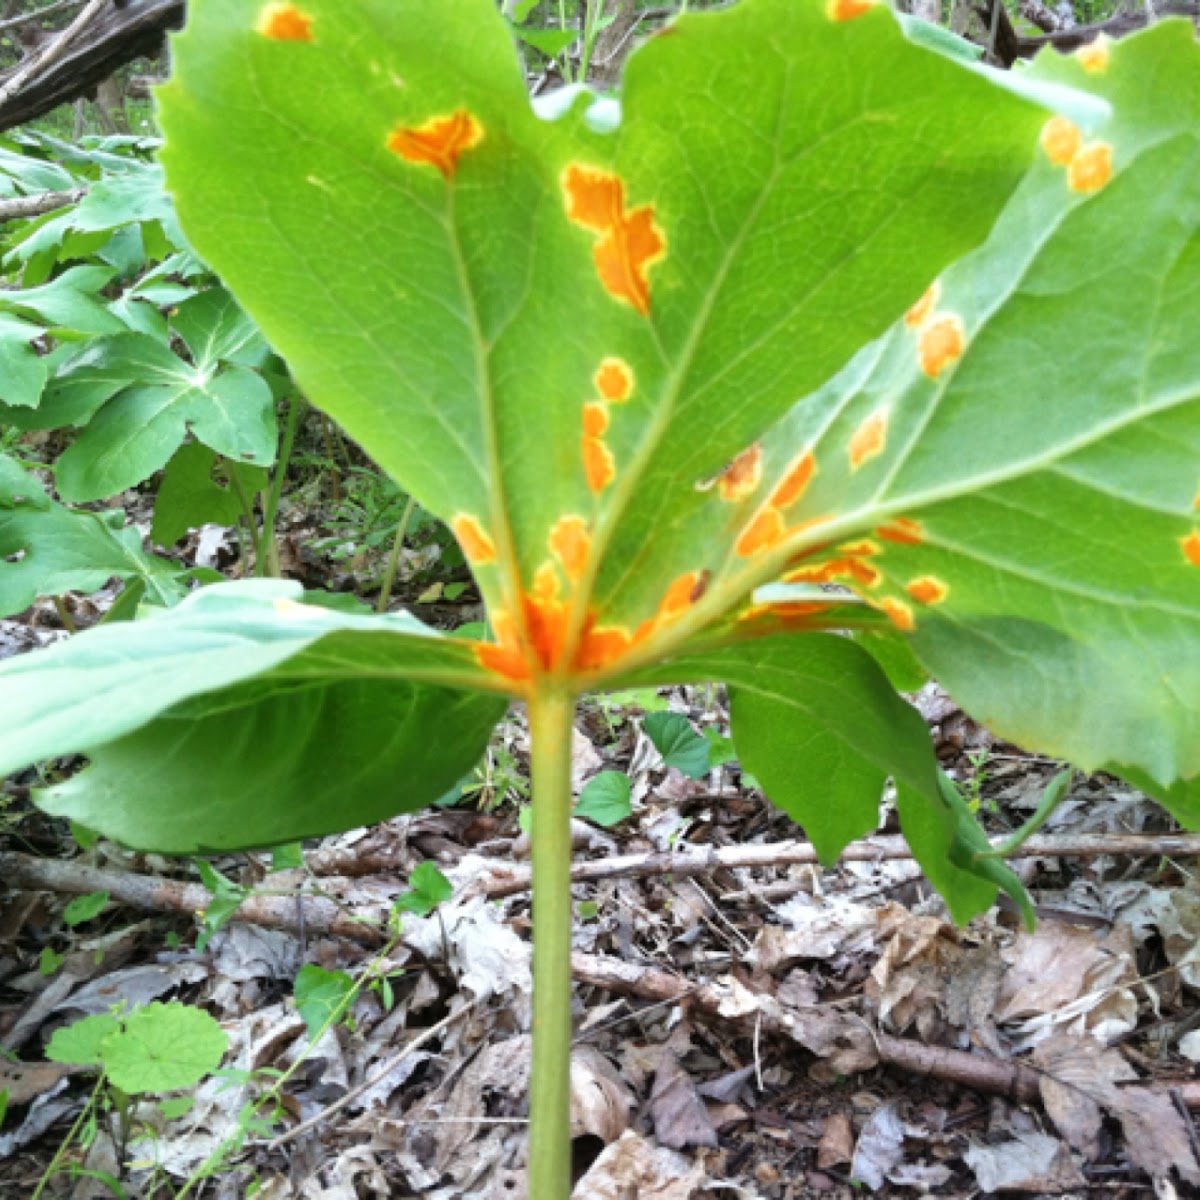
(818, 355)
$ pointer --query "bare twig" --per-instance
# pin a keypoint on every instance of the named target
(37, 14)
(508, 881)
(321, 916)
(43, 202)
(52, 51)
(973, 1069)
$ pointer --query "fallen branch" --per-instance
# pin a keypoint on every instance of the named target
(508, 881)
(37, 14)
(828, 1032)
(299, 913)
(52, 52)
(43, 202)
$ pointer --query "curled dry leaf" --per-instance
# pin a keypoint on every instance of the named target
(635, 1166)
(1031, 1162)
(679, 1115)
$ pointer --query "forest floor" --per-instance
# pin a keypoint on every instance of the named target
(749, 1024)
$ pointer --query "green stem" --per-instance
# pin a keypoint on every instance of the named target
(271, 505)
(55, 1163)
(247, 503)
(64, 615)
(551, 716)
(393, 562)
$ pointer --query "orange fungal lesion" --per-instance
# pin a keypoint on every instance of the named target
(1091, 167)
(869, 439)
(1094, 57)
(920, 312)
(927, 590)
(630, 240)
(614, 380)
(848, 10)
(1191, 547)
(795, 481)
(898, 613)
(741, 478)
(599, 465)
(1061, 139)
(284, 23)
(941, 343)
(765, 529)
(595, 419)
(439, 142)
(475, 541)
(570, 543)
(902, 530)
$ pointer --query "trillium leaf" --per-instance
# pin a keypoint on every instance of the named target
(276, 719)
(808, 198)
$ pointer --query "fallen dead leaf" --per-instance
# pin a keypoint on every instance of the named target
(634, 1166)
(837, 1142)
(676, 1111)
(1030, 1162)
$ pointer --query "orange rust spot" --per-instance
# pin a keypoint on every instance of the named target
(847, 10)
(923, 309)
(614, 380)
(284, 23)
(682, 594)
(792, 609)
(546, 615)
(836, 568)
(742, 477)
(1095, 55)
(570, 542)
(1191, 547)
(869, 439)
(630, 243)
(504, 656)
(473, 538)
(595, 419)
(863, 548)
(439, 142)
(765, 529)
(795, 480)
(598, 464)
(1091, 168)
(941, 343)
(927, 590)
(602, 646)
(1061, 140)
(900, 614)
(904, 530)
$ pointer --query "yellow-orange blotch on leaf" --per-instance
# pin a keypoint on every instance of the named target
(599, 647)
(742, 477)
(1191, 547)
(927, 590)
(942, 342)
(595, 419)
(899, 613)
(503, 656)
(1061, 140)
(599, 466)
(546, 615)
(285, 23)
(473, 538)
(847, 10)
(923, 309)
(766, 528)
(439, 142)
(614, 380)
(1091, 168)
(795, 481)
(570, 542)
(904, 530)
(1094, 56)
(863, 548)
(630, 242)
(682, 594)
(869, 439)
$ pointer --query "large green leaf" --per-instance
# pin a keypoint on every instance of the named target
(1028, 509)
(780, 186)
(140, 399)
(817, 722)
(277, 720)
(67, 550)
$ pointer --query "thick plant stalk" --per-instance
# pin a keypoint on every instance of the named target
(551, 714)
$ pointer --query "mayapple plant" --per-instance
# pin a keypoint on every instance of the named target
(810, 305)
